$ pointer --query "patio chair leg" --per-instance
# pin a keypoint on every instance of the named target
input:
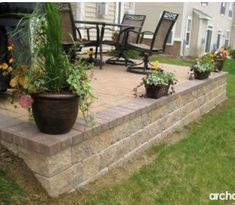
(121, 59)
(96, 51)
(145, 69)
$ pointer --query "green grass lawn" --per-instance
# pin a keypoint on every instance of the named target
(184, 173)
(172, 60)
(10, 191)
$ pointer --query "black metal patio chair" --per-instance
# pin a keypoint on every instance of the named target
(72, 37)
(119, 41)
(157, 45)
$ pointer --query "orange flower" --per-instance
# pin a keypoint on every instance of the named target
(10, 46)
(22, 81)
(4, 66)
(13, 82)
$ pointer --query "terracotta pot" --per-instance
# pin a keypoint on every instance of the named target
(55, 113)
(155, 92)
(201, 76)
(219, 64)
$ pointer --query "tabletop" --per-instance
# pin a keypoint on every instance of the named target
(106, 23)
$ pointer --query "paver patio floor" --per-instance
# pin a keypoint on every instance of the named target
(113, 86)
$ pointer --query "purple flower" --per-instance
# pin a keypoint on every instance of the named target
(25, 101)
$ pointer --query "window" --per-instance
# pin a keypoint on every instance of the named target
(208, 39)
(227, 37)
(204, 3)
(101, 9)
(222, 8)
(188, 30)
(218, 40)
(170, 39)
(230, 11)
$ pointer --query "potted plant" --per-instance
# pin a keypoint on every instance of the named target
(202, 70)
(220, 57)
(157, 83)
(52, 86)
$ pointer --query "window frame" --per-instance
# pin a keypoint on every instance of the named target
(173, 36)
(227, 37)
(219, 33)
(230, 9)
(210, 27)
(223, 8)
(186, 31)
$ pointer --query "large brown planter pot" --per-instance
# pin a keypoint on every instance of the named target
(219, 64)
(155, 92)
(201, 76)
(55, 113)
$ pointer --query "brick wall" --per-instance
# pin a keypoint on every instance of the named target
(135, 127)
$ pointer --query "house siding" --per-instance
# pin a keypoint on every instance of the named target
(219, 23)
(199, 28)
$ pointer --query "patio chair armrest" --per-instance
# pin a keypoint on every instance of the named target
(124, 32)
(87, 31)
(145, 33)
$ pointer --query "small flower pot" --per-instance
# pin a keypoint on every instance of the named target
(201, 75)
(55, 113)
(155, 92)
(219, 64)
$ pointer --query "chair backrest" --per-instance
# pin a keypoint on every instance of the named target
(134, 20)
(67, 23)
(163, 30)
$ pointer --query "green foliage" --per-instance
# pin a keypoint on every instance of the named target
(133, 54)
(206, 59)
(232, 53)
(159, 77)
(51, 70)
(200, 67)
(10, 192)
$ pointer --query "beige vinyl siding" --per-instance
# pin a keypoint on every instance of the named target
(90, 15)
(153, 10)
(219, 23)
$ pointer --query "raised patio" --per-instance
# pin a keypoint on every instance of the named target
(125, 126)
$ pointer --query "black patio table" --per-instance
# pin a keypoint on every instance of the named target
(101, 32)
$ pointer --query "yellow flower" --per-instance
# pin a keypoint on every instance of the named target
(9, 69)
(155, 65)
(4, 73)
(11, 60)
(4, 66)
(13, 82)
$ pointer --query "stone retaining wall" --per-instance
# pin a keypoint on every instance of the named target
(121, 133)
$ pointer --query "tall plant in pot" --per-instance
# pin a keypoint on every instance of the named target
(54, 86)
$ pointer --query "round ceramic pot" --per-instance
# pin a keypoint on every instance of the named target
(55, 113)
(155, 92)
(219, 64)
(201, 75)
